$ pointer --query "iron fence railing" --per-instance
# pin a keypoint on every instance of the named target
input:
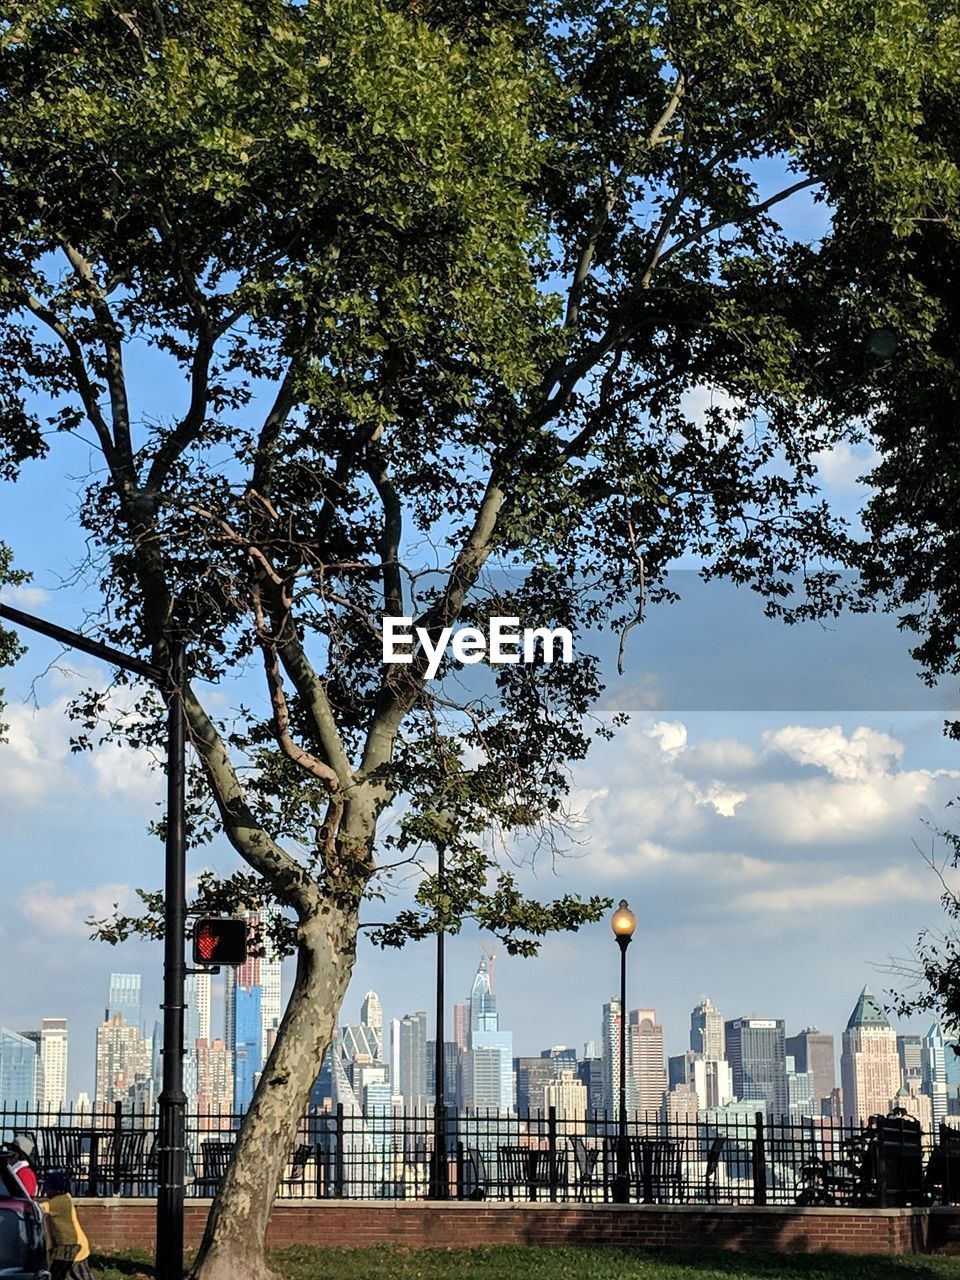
(716, 1158)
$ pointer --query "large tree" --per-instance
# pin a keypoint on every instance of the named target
(359, 301)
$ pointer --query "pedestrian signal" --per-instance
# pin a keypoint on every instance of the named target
(220, 940)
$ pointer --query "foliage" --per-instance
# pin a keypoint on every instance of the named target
(10, 648)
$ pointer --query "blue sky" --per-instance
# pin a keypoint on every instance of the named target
(764, 811)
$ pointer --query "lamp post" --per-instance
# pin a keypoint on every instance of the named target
(439, 1185)
(171, 1155)
(623, 923)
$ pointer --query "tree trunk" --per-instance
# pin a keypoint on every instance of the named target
(233, 1243)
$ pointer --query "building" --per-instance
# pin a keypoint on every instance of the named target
(869, 1063)
(123, 1059)
(371, 1015)
(568, 1096)
(533, 1075)
(814, 1051)
(681, 1105)
(756, 1051)
(487, 1082)
(18, 1070)
(123, 999)
(610, 1056)
(646, 1068)
(411, 1082)
(461, 1026)
(271, 1006)
(706, 1032)
(214, 1082)
(247, 1060)
(53, 1057)
(933, 1064)
(590, 1074)
(802, 1100)
(451, 1072)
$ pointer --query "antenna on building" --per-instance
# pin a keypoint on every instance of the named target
(491, 956)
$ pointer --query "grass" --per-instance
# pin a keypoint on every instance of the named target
(522, 1262)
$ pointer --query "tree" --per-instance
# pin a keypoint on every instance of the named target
(434, 281)
(10, 650)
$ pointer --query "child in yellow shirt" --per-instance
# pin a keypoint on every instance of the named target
(69, 1248)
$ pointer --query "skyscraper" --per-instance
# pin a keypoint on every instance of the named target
(412, 1060)
(53, 1055)
(247, 1061)
(757, 1056)
(869, 1063)
(371, 1015)
(610, 1055)
(813, 1051)
(123, 998)
(646, 1070)
(706, 1032)
(934, 1073)
(123, 1060)
(487, 1074)
(18, 1070)
(270, 995)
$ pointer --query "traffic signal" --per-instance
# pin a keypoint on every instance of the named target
(220, 940)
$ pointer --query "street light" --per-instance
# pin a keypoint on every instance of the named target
(439, 1187)
(172, 1103)
(623, 923)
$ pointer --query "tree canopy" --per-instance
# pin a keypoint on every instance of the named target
(395, 309)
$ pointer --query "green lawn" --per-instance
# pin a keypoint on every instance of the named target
(518, 1262)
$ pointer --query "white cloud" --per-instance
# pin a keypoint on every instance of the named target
(33, 759)
(842, 466)
(24, 597)
(670, 735)
(62, 915)
(864, 754)
(840, 893)
(723, 800)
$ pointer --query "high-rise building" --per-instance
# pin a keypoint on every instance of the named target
(196, 1014)
(461, 1026)
(371, 1013)
(533, 1075)
(123, 998)
(869, 1063)
(270, 994)
(610, 1055)
(34, 1038)
(802, 1100)
(18, 1070)
(706, 1032)
(646, 1071)
(214, 1081)
(590, 1074)
(247, 1062)
(412, 1080)
(451, 1072)
(487, 1082)
(813, 1051)
(757, 1056)
(934, 1073)
(123, 1060)
(569, 1097)
(910, 1053)
(53, 1056)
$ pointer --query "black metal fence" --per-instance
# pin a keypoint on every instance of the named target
(715, 1159)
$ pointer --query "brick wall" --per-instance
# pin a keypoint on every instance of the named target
(118, 1224)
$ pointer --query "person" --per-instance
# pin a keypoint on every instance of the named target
(23, 1165)
(69, 1247)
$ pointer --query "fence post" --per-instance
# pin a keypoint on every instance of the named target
(338, 1154)
(552, 1150)
(115, 1160)
(759, 1163)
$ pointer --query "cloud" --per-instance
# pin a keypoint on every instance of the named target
(61, 915)
(842, 466)
(864, 754)
(842, 892)
(24, 597)
(33, 759)
(671, 736)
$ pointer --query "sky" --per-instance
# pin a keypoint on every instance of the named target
(767, 813)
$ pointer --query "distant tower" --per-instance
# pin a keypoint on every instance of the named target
(371, 1012)
(413, 1060)
(813, 1052)
(483, 1003)
(706, 1031)
(646, 1071)
(757, 1055)
(610, 1055)
(53, 1057)
(869, 1063)
(124, 999)
(934, 1067)
(487, 1077)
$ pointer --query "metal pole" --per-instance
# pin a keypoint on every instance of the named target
(621, 1182)
(440, 1173)
(171, 1155)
